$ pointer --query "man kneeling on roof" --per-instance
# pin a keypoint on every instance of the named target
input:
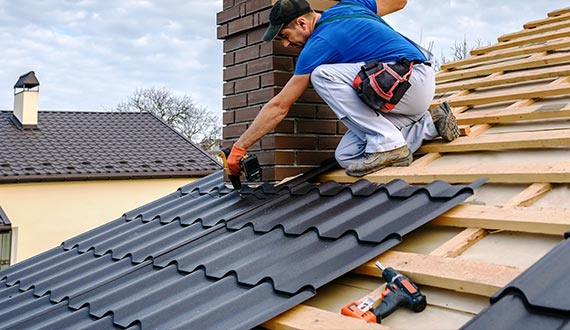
(378, 83)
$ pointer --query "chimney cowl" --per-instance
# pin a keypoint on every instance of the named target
(27, 81)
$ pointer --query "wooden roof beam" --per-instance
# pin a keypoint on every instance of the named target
(535, 112)
(515, 140)
(548, 221)
(555, 172)
(450, 273)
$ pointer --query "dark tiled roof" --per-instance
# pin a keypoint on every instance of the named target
(96, 145)
(206, 257)
(4, 221)
(538, 299)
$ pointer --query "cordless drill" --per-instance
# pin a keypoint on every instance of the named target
(400, 291)
(249, 165)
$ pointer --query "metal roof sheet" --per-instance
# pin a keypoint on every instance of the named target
(97, 145)
(204, 251)
(537, 299)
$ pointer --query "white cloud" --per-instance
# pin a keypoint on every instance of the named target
(92, 54)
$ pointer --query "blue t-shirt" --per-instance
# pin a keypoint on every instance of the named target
(354, 39)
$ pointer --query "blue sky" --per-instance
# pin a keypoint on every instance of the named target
(92, 54)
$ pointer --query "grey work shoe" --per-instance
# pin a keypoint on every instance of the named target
(445, 122)
(379, 160)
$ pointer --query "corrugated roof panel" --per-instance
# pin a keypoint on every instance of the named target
(201, 252)
(537, 299)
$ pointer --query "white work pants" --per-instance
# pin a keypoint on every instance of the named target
(408, 123)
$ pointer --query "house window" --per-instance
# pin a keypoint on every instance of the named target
(5, 248)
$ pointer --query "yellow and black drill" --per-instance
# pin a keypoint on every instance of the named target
(249, 166)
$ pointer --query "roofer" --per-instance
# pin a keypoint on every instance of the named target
(384, 104)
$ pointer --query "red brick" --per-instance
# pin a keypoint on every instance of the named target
(255, 36)
(310, 96)
(312, 157)
(285, 126)
(319, 126)
(261, 96)
(328, 142)
(293, 142)
(299, 110)
(247, 54)
(282, 172)
(247, 114)
(247, 84)
(276, 157)
(229, 88)
(229, 59)
(222, 31)
(235, 72)
(256, 5)
(275, 78)
(240, 25)
(234, 101)
(341, 128)
(227, 15)
(325, 112)
(228, 4)
(270, 63)
(277, 48)
(235, 42)
(232, 131)
(228, 117)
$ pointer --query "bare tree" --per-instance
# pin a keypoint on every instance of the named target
(195, 122)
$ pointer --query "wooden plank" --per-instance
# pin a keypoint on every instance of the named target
(550, 221)
(307, 317)
(529, 195)
(559, 12)
(514, 114)
(507, 53)
(515, 140)
(450, 273)
(459, 243)
(537, 30)
(563, 33)
(426, 159)
(549, 90)
(549, 20)
(555, 172)
(540, 60)
(505, 79)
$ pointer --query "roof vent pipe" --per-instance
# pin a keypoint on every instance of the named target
(26, 92)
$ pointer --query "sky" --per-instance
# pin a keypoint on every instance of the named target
(92, 54)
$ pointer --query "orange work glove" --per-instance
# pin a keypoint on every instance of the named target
(233, 160)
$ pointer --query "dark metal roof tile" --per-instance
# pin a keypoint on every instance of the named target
(97, 145)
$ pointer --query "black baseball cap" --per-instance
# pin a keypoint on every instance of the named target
(282, 13)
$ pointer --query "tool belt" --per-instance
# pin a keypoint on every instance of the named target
(382, 85)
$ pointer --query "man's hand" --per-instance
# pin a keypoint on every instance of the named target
(233, 160)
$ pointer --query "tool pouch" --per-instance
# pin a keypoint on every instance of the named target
(381, 85)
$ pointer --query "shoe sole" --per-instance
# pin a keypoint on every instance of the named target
(402, 162)
(451, 130)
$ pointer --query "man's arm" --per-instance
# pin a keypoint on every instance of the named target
(386, 7)
(274, 111)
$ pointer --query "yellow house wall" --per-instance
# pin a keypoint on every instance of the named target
(43, 215)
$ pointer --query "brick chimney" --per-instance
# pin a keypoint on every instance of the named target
(255, 71)
(26, 92)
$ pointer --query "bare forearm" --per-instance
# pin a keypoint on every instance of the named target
(265, 121)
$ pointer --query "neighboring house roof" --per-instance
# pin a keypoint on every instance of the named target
(206, 257)
(97, 145)
(4, 221)
(537, 299)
